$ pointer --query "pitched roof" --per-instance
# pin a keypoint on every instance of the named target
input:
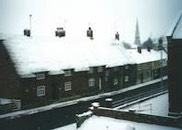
(146, 56)
(52, 54)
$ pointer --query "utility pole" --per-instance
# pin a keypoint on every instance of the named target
(160, 47)
(161, 70)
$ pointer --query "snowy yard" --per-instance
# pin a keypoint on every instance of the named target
(155, 106)
(105, 123)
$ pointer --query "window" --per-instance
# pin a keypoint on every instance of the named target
(126, 78)
(164, 62)
(126, 67)
(91, 70)
(40, 91)
(106, 78)
(116, 69)
(155, 73)
(40, 76)
(100, 69)
(107, 75)
(67, 73)
(115, 81)
(91, 82)
(67, 86)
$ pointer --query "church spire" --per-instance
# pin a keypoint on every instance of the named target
(137, 35)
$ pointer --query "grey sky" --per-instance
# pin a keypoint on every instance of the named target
(155, 16)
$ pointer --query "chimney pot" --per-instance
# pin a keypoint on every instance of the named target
(27, 32)
(90, 33)
(148, 49)
(117, 36)
(139, 49)
(60, 32)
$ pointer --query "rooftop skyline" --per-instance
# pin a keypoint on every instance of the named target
(105, 16)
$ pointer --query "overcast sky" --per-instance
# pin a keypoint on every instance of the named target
(155, 16)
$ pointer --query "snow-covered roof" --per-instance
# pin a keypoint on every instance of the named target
(176, 28)
(53, 54)
(145, 55)
(106, 123)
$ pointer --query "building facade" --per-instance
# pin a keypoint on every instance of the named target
(37, 76)
(174, 38)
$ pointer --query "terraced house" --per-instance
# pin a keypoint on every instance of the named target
(37, 69)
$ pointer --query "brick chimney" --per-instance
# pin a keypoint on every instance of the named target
(60, 32)
(117, 36)
(27, 32)
(139, 49)
(90, 33)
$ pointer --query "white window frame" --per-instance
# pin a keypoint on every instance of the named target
(126, 78)
(41, 91)
(126, 67)
(100, 69)
(91, 82)
(67, 73)
(155, 73)
(40, 76)
(115, 81)
(67, 86)
(91, 70)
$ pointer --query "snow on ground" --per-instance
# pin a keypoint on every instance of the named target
(155, 106)
(105, 123)
(67, 127)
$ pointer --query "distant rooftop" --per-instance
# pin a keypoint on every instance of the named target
(145, 56)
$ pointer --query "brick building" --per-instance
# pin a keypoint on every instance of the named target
(174, 64)
(41, 69)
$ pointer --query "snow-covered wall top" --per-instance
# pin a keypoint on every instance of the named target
(53, 54)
